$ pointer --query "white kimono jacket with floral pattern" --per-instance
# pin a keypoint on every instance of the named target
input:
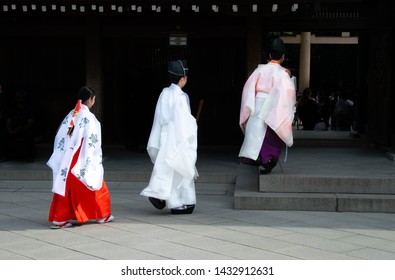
(88, 169)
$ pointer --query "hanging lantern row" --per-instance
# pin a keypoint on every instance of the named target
(122, 8)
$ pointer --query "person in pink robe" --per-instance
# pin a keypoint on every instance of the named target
(267, 111)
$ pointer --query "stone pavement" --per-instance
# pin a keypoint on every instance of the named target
(215, 231)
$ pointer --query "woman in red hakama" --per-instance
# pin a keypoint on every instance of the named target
(80, 192)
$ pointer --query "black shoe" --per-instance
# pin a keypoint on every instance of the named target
(266, 168)
(158, 203)
(272, 163)
(248, 161)
(187, 209)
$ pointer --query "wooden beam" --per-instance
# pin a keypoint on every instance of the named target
(322, 40)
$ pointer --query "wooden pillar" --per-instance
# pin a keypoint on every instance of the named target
(304, 61)
(379, 78)
(254, 43)
(94, 63)
(391, 80)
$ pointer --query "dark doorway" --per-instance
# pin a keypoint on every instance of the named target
(135, 71)
(50, 70)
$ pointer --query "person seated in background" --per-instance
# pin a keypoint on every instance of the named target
(307, 110)
(324, 109)
(344, 112)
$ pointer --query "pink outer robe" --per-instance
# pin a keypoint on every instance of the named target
(268, 99)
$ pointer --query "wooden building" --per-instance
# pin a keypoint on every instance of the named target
(120, 48)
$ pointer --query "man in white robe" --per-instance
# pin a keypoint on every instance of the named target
(267, 112)
(172, 147)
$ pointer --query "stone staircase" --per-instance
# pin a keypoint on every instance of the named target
(318, 193)
(336, 175)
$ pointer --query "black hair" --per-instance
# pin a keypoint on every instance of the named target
(276, 55)
(85, 93)
(277, 48)
(174, 78)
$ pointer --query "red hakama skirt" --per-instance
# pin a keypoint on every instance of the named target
(79, 203)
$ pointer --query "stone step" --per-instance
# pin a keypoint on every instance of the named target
(366, 203)
(125, 176)
(248, 197)
(144, 176)
(326, 184)
(26, 174)
(330, 138)
(315, 202)
(136, 187)
(322, 142)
